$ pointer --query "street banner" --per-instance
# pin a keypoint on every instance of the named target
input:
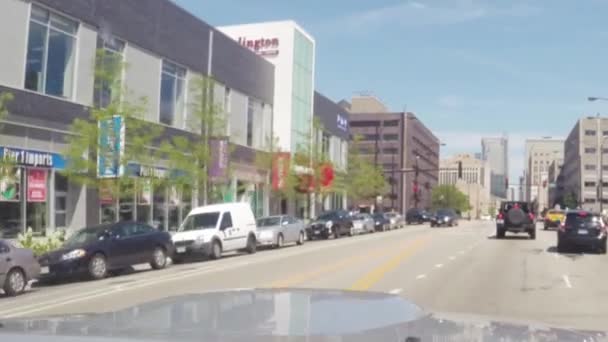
(110, 147)
(144, 192)
(218, 167)
(36, 185)
(280, 169)
(10, 184)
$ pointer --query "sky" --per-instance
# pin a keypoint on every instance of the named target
(467, 68)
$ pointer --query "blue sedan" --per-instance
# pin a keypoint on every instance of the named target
(95, 251)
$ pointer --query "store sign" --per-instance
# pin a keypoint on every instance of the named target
(32, 158)
(342, 123)
(280, 170)
(218, 168)
(110, 148)
(10, 184)
(267, 47)
(36, 185)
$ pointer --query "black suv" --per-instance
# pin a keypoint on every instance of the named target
(515, 217)
(336, 223)
(582, 229)
(416, 215)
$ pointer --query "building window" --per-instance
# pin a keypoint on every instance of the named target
(364, 123)
(590, 150)
(325, 144)
(589, 132)
(390, 137)
(605, 167)
(589, 167)
(367, 137)
(227, 107)
(105, 82)
(391, 123)
(390, 150)
(50, 53)
(605, 133)
(250, 114)
(589, 184)
(589, 200)
(172, 94)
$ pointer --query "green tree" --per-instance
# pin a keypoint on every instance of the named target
(570, 201)
(83, 142)
(365, 179)
(5, 99)
(448, 196)
(191, 154)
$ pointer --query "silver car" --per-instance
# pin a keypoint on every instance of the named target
(362, 223)
(396, 220)
(18, 266)
(276, 231)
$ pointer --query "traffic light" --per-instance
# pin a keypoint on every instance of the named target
(459, 170)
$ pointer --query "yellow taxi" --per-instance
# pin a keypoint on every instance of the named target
(553, 218)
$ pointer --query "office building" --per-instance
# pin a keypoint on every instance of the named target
(555, 183)
(475, 181)
(396, 141)
(540, 153)
(48, 51)
(495, 151)
(584, 152)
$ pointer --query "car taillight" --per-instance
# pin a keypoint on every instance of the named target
(562, 227)
(531, 216)
(500, 217)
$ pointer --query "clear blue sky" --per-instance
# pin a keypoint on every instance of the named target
(467, 68)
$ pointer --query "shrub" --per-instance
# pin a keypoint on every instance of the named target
(41, 245)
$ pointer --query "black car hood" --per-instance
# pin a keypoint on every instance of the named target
(280, 315)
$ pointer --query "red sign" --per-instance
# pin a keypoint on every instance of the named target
(280, 169)
(262, 46)
(327, 175)
(36, 185)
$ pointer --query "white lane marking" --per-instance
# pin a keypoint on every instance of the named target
(452, 257)
(395, 291)
(439, 265)
(567, 281)
(421, 276)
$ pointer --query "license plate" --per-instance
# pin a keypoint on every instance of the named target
(180, 249)
(583, 231)
(317, 232)
(500, 221)
(44, 270)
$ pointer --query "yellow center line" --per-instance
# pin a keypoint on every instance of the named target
(299, 278)
(371, 278)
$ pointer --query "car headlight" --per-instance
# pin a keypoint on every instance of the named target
(393, 221)
(447, 218)
(377, 222)
(75, 254)
(328, 224)
(266, 234)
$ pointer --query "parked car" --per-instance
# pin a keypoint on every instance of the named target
(336, 223)
(381, 222)
(276, 231)
(97, 250)
(417, 216)
(213, 229)
(444, 217)
(362, 223)
(580, 229)
(515, 217)
(396, 220)
(18, 266)
(553, 218)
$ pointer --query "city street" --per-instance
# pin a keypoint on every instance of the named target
(449, 270)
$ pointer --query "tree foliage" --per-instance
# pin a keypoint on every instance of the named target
(448, 196)
(83, 144)
(365, 180)
(570, 201)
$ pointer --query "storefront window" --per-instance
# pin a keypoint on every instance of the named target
(125, 203)
(36, 217)
(61, 195)
(10, 202)
(107, 203)
(144, 200)
(159, 207)
(174, 207)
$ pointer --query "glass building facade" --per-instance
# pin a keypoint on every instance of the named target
(302, 93)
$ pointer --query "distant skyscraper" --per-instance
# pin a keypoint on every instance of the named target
(496, 152)
(540, 154)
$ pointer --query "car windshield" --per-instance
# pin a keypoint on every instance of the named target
(444, 212)
(269, 221)
(582, 220)
(379, 216)
(328, 216)
(200, 221)
(85, 236)
(359, 217)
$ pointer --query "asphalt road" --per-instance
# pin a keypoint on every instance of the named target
(454, 270)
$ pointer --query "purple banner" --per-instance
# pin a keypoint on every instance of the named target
(218, 167)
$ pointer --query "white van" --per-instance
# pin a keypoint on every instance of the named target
(213, 229)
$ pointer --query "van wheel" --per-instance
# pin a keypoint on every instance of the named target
(301, 238)
(216, 250)
(251, 247)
